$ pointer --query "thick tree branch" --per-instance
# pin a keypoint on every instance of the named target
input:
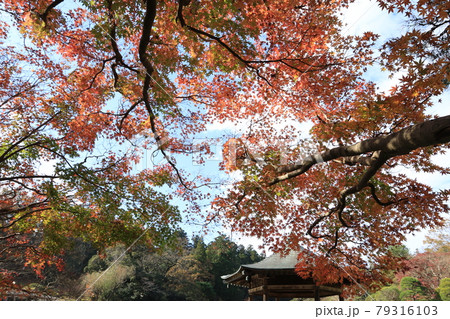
(429, 133)
(48, 9)
(362, 160)
(149, 18)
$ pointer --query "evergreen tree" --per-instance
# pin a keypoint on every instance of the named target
(444, 289)
(411, 289)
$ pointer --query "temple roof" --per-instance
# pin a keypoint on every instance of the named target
(275, 276)
(273, 262)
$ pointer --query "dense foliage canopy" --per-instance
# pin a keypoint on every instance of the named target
(87, 86)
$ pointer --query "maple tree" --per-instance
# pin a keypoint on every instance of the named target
(429, 268)
(91, 79)
(56, 182)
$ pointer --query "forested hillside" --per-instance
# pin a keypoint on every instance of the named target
(190, 270)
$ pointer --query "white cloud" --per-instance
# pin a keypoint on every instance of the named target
(47, 167)
(441, 105)
(366, 15)
(232, 126)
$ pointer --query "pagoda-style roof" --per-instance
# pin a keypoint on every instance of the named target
(274, 263)
(275, 277)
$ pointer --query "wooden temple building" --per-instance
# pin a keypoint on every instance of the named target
(275, 278)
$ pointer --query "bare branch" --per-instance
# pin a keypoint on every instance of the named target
(9, 236)
(342, 200)
(378, 201)
(130, 109)
(25, 215)
(28, 135)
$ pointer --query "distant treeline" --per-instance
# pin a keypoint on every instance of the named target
(190, 270)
